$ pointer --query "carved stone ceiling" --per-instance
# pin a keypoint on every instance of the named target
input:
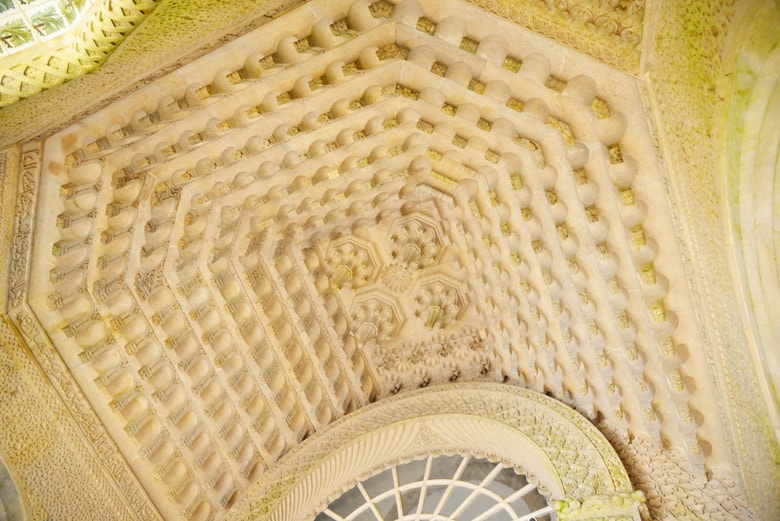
(122, 42)
(351, 202)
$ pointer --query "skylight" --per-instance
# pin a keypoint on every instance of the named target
(26, 22)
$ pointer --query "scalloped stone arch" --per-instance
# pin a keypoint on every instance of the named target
(558, 450)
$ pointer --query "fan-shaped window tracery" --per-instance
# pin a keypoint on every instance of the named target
(442, 488)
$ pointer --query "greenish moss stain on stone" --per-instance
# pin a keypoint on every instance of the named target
(157, 45)
(687, 82)
(749, 65)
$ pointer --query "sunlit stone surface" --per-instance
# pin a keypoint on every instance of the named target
(356, 200)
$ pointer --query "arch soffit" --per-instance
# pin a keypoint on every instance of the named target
(751, 170)
(12, 506)
(557, 449)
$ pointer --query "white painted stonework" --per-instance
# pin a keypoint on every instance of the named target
(221, 270)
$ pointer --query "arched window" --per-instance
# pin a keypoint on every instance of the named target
(477, 452)
(441, 488)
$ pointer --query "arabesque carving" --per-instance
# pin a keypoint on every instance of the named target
(675, 490)
(114, 492)
(393, 195)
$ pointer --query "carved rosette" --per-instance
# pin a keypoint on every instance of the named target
(415, 243)
(374, 320)
(397, 277)
(438, 303)
(351, 262)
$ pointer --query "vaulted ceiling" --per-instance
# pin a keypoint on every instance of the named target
(226, 254)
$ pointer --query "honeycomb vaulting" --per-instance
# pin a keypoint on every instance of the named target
(353, 201)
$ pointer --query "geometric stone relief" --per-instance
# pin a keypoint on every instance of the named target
(297, 225)
(416, 295)
(54, 447)
(609, 31)
(109, 489)
(350, 262)
(693, 80)
(58, 471)
(673, 490)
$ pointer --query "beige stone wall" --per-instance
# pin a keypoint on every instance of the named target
(61, 462)
(714, 436)
(684, 69)
(748, 143)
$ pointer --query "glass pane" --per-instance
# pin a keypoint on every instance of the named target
(507, 482)
(347, 502)
(520, 506)
(47, 21)
(445, 466)
(501, 515)
(544, 517)
(456, 497)
(530, 502)
(477, 471)
(433, 495)
(477, 506)
(366, 515)
(15, 33)
(29, 21)
(410, 500)
(387, 508)
(411, 472)
(379, 483)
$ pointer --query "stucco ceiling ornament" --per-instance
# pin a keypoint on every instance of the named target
(184, 278)
(556, 448)
(672, 488)
(397, 277)
(608, 31)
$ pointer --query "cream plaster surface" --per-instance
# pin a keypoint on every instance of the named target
(267, 219)
(750, 159)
